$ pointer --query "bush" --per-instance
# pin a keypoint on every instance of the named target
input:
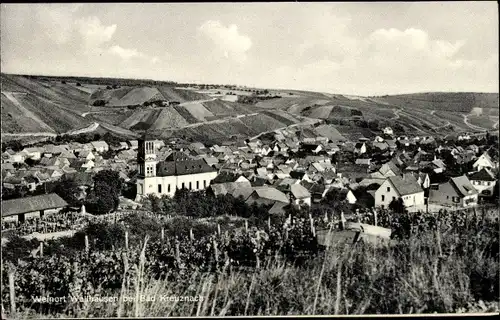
(99, 103)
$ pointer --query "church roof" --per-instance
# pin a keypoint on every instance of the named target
(182, 167)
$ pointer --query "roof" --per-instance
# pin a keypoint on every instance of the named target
(229, 187)
(299, 192)
(389, 165)
(8, 166)
(178, 168)
(482, 175)
(31, 204)
(278, 208)
(463, 186)
(405, 187)
(271, 194)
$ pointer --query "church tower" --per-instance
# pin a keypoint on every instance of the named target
(146, 165)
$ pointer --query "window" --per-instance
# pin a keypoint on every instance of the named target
(190, 186)
(197, 185)
(383, 198)
(159, 188)
(183, 185)
(393, 198)
(388, 189)
(168, 188)
(204, 183)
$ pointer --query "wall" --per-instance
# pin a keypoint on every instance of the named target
(443, 195)
(416, 199)
(150, 184)
(389, 195)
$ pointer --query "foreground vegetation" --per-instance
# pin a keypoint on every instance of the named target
(444, 265)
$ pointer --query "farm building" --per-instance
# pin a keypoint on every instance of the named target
(31, 207)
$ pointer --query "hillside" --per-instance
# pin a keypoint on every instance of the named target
(132, 96)
(51, 105)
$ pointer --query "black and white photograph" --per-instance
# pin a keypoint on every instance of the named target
(249, 159)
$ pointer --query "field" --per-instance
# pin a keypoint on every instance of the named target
(197, 110)
(330, 132)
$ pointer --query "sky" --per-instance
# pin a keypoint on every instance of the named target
(348, 48)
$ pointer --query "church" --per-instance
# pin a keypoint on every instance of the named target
(177, 171)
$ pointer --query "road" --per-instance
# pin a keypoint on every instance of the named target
(473, 127)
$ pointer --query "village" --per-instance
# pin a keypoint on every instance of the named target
(278, 169)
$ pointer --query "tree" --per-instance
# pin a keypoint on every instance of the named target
(101, 199)
(113, 181)
(397, 205)
(68, 189)
(154, 202)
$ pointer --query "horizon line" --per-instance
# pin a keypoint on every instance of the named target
(240, 85)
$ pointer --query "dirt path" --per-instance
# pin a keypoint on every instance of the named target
(473, 127)
(396, 114)
(87, 129)
(28, 113)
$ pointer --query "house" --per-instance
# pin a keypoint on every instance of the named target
(228, 187)
(99, 146)
(134, 144)
(33, 153)
(438, 165)
(458, 191)
(363, 162)
(424, 180)
(389, 169)
(388, 131)
(67, 155)
(31, 207)
(484, 161)
(300, 194)
(360, 148)
(311, 147)
(483, 181)
(395, 187)
(14, 157)
(347, 195)
(267, 196)
(86, 155)
(300, 175)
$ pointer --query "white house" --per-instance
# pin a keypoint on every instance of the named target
(388, 131)
(484, 161)
(86, 155)
(14, 157)
(395, 187)
(483, 181)
(33, 153)
(360, 148)
(100, 146)
(178, 171)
